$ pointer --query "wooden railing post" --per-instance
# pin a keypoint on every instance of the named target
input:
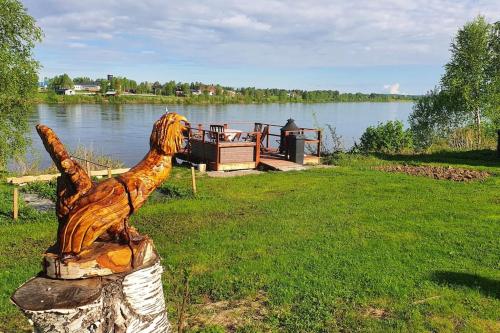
(319, 143)
(217, 150)
(257, 149)
(109, 172)
(15, 207)
(193, 180)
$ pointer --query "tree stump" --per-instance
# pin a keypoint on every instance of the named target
(124, 302)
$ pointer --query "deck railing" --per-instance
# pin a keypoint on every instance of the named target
(199, 135)
(261, 139)
(316, 138)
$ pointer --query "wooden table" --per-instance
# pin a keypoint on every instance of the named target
(232, 134)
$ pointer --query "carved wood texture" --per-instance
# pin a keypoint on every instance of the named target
(87, 211)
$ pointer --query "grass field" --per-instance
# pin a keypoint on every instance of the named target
(348, 249)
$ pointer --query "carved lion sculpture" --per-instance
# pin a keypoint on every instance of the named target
(89, 211)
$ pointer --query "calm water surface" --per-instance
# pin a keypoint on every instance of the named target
(122, 131)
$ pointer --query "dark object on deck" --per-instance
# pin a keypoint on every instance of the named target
(296, 145)
(289, 126)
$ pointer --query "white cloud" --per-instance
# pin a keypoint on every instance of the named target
(301, 33)
(241, 22)
(76, 45)
(392, 88)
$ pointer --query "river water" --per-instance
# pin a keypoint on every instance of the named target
(122, 131)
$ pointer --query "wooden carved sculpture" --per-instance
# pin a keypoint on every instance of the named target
(93, 217)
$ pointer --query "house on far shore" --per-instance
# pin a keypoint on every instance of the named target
(111, 93)
(65, 91)
(210, 90)
(196, 92)
(93, 88)
(43, 85)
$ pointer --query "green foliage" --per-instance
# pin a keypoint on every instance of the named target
(18, 77)
(433, 118)
(83, 80)
(493, 108)
(193, 99)
(167, 93)
(61, 82)
(104, 86)
(43, 189)
(466, 76)
(389, 137)
(169, 88)
(469, 89)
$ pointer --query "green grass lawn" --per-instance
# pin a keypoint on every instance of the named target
(344, 249)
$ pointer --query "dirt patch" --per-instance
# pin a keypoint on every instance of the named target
(436, 172)
(228, 314)
(38, 203)
(376, 313)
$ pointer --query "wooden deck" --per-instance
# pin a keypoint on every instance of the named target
(247, 150)
(278, 163)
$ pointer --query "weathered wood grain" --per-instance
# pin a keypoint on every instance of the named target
(101, 259)
(89, 211)
(42, 293)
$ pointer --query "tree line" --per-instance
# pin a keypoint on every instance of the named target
(244, 94)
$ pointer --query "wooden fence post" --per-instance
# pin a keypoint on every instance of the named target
(109, 172)
(16, 203)
(87, 166)
(193, 180)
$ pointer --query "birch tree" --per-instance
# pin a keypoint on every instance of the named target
(18, 77)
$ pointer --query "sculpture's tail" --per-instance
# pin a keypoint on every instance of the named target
(74, 181)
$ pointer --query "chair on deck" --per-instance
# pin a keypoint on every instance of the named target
(219, 132)
(264, 132)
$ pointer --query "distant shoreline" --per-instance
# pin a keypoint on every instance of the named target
(44, 98)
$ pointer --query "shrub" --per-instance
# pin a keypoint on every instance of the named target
(389, 137)
(45, 190)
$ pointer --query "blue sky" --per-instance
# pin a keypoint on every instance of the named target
(397, 46)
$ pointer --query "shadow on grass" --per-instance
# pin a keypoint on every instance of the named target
(486, 286)
(483, 157)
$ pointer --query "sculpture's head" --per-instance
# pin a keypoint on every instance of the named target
(167, 135)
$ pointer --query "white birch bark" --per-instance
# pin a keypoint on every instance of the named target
(130, 303)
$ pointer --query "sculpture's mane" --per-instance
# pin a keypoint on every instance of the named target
(167, 134)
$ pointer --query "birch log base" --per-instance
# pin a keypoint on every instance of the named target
(127, 302)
